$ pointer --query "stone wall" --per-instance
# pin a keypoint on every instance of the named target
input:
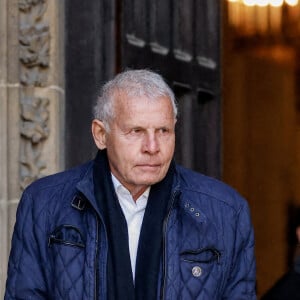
(31, 103)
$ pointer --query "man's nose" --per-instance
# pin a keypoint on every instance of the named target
(151, 143)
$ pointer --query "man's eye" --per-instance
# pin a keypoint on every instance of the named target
(136, 131)
(163, 130)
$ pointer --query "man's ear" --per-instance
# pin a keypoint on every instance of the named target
(99, 134)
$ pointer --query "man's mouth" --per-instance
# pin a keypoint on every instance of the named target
(149, 166)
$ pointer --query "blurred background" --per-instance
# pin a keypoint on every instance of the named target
(261, 123)
(233, 64)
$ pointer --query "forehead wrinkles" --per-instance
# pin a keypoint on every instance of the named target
(125, 105)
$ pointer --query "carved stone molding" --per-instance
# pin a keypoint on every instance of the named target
(34, 55)
(34, 39)
(34, 130)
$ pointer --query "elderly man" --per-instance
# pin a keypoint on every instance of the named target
(132, 224)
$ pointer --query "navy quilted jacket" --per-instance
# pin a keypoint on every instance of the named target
(59, 246)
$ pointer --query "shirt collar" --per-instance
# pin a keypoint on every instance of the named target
(121, 189)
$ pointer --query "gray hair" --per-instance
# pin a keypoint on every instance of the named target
(133, 83)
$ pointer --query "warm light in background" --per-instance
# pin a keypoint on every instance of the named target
(276, 3)
(262, 2)
(263, 17)
(266, 2)
(291, 2)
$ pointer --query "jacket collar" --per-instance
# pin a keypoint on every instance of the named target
(85, 186)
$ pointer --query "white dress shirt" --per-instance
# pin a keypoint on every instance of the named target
(134, 214)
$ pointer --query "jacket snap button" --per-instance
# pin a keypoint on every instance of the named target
(196, 271)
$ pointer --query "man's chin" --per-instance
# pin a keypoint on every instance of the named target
(150, 180)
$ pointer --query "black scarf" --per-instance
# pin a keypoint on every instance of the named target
(119, 275)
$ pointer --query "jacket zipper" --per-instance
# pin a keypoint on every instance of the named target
(96, 262)
(164, 266)
(96, 271)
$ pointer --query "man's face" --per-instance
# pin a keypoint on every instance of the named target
(141, 141)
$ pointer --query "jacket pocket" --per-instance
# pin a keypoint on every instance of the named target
(67, 257)
(201, 272)
(203, 255)
(68, 235)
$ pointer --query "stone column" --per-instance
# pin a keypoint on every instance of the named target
(31, 103)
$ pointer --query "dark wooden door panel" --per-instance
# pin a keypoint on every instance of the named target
(181, 40)
(89, 60)
(178, 38)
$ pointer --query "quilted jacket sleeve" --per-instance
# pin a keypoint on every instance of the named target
(242, 280)
(25, 269)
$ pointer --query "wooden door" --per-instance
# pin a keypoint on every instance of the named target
(181, 40)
